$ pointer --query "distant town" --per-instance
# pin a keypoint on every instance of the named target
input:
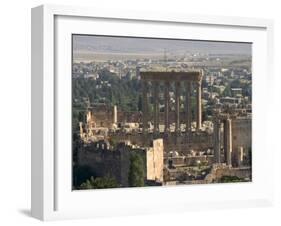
(161, 118)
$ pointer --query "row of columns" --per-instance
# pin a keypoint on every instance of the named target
(188, 115)
(227, 142)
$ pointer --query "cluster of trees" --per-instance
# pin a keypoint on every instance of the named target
(99, 183)
(246, 88)
(136, 173)
(78, 115)
(81, 174)
(109, 89)
(230, 179)
(85, 178)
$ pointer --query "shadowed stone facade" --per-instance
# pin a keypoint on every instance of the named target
(115, 163)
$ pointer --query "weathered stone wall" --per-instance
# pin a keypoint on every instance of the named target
(116, 163)
(106, 163)
(190, 160)
(213, 176)
(241, 137)
(172, 117)
(155, 161)
(124, 117)
(238, 172)
(241, 133)
(103, 116)
(183, 144)
(218, 171)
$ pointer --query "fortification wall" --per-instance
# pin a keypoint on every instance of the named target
(116, 163)
(106, 163)
(183, 144)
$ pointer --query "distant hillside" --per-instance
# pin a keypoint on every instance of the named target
(145, 45)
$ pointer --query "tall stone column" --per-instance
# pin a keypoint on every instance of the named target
(155, 107)
(187, 107)
(217, 140)
(198, 105)
(240, 154)
(144, 107)
(167, 101)
(225, 140)
(228, 138)
(177, 108)
(114, 112)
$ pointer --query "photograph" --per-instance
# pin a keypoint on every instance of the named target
(152, 111)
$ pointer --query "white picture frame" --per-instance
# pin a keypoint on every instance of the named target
(52, 198)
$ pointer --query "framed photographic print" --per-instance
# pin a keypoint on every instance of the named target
(137, 113)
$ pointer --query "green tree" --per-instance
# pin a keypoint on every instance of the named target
(136, 173)
(123, 92)
(236, 84)
(227, 91)
(81, 174)
(99, 183)
(230, 179)
(139, 103)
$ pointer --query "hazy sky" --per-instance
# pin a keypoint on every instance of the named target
(107, 44)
